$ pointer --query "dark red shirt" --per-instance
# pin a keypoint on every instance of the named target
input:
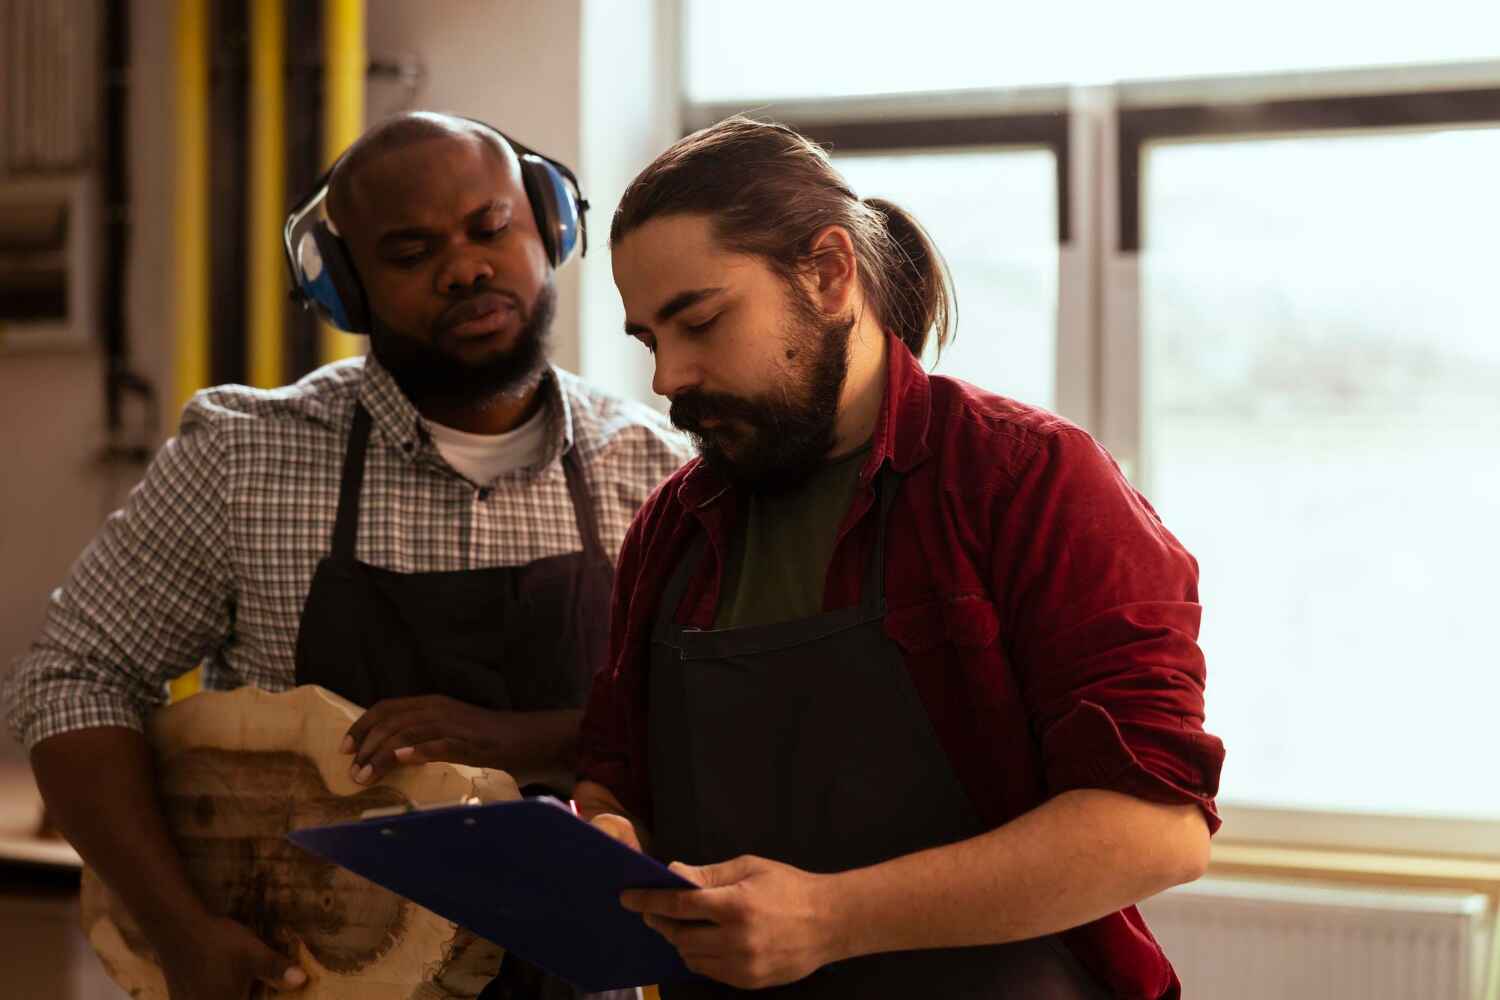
(1048, 619)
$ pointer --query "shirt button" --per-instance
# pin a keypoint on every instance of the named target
(408, 446)
(484, 493)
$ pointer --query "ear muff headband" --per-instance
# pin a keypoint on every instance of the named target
(323, 274)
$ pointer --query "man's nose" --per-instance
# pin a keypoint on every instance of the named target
(677, 370)
(463, 270)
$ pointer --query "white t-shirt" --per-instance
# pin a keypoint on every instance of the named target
(480, 458)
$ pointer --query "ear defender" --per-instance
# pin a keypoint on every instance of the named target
(323, 274)
(555, 204)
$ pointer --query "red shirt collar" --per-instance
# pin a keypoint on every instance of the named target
(900, 430)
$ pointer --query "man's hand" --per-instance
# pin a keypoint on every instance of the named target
(754, 923)
(419, 731)
(600, 807)
(219, 959)
(620, 828)
(430, 728)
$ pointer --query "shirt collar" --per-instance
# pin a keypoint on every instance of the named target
(395, 417)
(900, 430)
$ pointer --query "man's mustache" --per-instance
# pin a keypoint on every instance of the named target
(691, 408)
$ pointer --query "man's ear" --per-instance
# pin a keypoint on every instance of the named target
(832, 279)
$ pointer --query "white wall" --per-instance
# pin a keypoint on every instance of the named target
(589, 82)
(512, 63)
(630, 114)
(52, 432)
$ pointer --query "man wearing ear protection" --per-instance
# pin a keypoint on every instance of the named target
(427, 531)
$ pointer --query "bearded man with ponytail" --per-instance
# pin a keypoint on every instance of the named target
(904, 675)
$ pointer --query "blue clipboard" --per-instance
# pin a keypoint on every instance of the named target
(528, 875)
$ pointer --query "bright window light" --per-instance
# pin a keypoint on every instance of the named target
(1001, 250)
(777, 49)
(1322, 430)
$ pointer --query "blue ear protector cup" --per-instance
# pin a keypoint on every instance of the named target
(323, 274)
(338, 288)
(556, 209)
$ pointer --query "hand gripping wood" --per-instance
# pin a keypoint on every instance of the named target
(236, 771)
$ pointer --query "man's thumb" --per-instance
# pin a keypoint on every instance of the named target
(717, 876)
(277, 972)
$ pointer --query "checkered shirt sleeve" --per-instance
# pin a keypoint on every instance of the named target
(144, 603)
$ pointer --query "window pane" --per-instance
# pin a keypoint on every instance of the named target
(1322, 417)
(774, 49)
(1001, 249)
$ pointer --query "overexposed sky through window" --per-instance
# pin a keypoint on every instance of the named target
(777, 49)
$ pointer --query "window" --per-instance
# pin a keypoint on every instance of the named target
(1322, 429)
(1001, 250)
(1270, 292)
(781, 49)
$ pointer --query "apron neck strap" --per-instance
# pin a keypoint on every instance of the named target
(672, 594)
(346, 524)
(583, 505)
(872, 591)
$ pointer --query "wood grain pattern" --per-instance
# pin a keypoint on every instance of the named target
(237, 771)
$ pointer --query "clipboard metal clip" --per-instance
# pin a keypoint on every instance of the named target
(385, 812)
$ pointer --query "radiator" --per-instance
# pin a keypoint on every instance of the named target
(1242, 939)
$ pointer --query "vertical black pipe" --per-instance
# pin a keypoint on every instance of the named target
(304, 151)
(229, 149)
(120, 381)
(115, 195)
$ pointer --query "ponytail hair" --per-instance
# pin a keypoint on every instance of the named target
(769, 191)
(914, 296)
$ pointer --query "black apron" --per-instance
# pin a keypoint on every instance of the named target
(807, 743)
(519, 638)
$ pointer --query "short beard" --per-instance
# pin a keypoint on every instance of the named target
(428, 374)
(773, 442)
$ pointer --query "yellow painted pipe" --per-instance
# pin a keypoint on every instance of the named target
(190, 226)
(344, 62)
(190, 222)
(265, 306)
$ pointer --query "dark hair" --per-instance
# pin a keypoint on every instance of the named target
(769, 191)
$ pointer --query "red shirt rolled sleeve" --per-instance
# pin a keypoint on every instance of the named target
(1103, 609)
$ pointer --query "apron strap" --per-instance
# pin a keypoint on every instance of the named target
(872, 591)
(583, 505)
(671, 596)
(346, 524)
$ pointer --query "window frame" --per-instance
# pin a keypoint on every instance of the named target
(1342, 104)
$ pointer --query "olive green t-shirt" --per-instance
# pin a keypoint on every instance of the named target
(778, 560)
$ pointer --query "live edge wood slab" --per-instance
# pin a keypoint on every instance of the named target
(237, 770)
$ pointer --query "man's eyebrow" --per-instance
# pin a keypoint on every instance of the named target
(407, 233)
(422, 233)
(675, 305)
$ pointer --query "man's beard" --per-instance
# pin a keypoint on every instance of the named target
(427, 373)
(775, 441)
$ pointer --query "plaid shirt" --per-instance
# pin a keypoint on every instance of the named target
(211, 558)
